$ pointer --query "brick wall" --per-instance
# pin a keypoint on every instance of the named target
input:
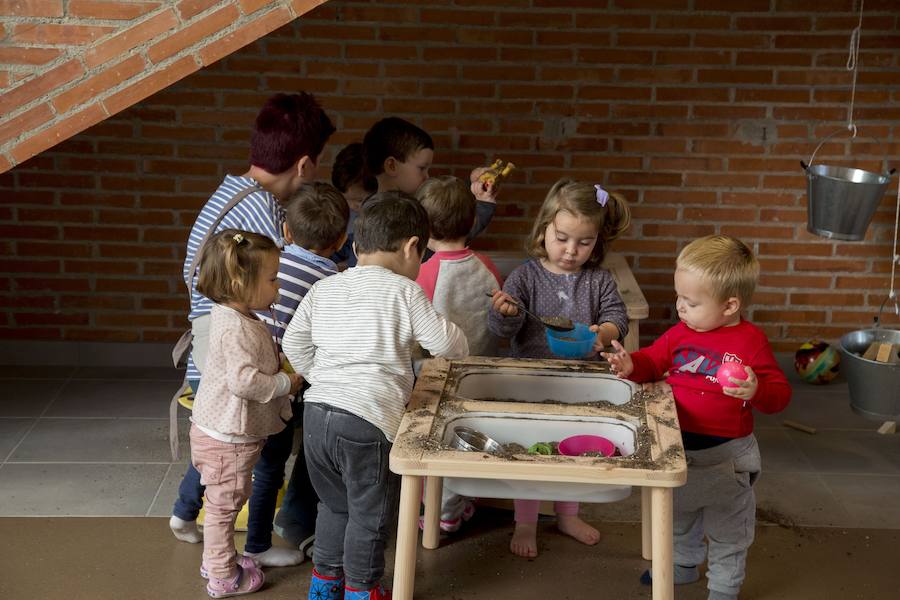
(67, 65)
(697, 111)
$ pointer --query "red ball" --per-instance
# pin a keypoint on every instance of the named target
(730, 369)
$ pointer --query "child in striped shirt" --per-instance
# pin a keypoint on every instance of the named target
(351, 338)
(315, 226)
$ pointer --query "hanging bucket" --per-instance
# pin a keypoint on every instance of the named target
(841, 200)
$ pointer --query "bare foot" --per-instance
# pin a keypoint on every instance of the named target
(524, 540)
(573, 526)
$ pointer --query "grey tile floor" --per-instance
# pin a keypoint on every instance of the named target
(93, 442)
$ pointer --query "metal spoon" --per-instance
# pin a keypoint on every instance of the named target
(554, 323)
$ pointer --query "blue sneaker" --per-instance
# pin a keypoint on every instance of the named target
(326, 588)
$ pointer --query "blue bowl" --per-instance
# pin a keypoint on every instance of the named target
(577, 343)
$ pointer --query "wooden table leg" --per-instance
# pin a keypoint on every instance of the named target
(646, 543)
(431, 536)
(661, 517)
(407, 531)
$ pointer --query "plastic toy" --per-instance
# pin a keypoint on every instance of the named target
(816, 362)
(730, 369)
(498, 170)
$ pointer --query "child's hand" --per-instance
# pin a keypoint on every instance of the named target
(296, 382)
(503, 303)
(484, 191)
(743, 389)
(606, 333)
(620, 362)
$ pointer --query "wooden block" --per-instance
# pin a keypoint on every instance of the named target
(872, 351)
(799, 427)
(888, 427)
(884, 353)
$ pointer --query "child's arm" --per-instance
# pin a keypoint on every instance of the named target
(433, 332)
(772, 392)
(505, 319)
(485, 193)
(242, 375)
(612, 316)
(484, 214)
(297, 342)
(647, 364)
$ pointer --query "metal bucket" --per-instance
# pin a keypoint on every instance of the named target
(874, 386)
(840, 200)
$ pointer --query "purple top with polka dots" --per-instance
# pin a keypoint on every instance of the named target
(589, 296)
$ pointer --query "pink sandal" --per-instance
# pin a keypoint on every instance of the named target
(247, 581)
(242, 560)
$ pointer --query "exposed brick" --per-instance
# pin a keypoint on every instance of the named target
(143, 285)
(39, 86)
(58, 34)
(23, 55)
(57, 132)
(192, 34)
(189, 9)
(94, 301)
(132, 37)
(635, 98)
(148, 85)
(692, 57)
(31, 8)
(25, 121)
(98, 84)
(109, 10)
(104, 335)
(244, 35)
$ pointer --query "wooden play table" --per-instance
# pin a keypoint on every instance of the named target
(657, 465)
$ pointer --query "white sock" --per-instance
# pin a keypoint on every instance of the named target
(278, 557)
(186, 531)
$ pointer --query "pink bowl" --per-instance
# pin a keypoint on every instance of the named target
(580, 444)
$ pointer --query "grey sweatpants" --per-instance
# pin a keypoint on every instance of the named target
(718, 501)
(347, 459)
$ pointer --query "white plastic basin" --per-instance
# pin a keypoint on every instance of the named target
(527, 429)
(520, 385)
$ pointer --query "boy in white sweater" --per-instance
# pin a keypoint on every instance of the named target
(351, 338)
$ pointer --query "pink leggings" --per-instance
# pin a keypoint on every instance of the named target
(226, 470)
(527, 510)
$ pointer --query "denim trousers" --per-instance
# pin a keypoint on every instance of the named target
(268, 477)
(348, 464)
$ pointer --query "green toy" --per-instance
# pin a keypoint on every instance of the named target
(541, 448)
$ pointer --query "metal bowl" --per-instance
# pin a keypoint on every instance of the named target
(471, 440)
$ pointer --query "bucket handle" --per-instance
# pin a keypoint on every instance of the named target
(832, 134)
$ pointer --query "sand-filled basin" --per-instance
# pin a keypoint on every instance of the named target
(526, 429)
(524, 385)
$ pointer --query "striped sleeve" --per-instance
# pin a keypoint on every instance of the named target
(297, 340)
(295, 277)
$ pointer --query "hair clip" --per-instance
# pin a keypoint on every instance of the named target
(238, 238)
(602, 195)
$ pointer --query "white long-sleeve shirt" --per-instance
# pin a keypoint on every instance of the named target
(352, 339)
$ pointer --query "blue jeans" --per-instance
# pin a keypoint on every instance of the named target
(300, 505)
(268, 477)
(348, 461)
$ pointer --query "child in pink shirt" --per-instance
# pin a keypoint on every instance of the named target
(243, 399)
